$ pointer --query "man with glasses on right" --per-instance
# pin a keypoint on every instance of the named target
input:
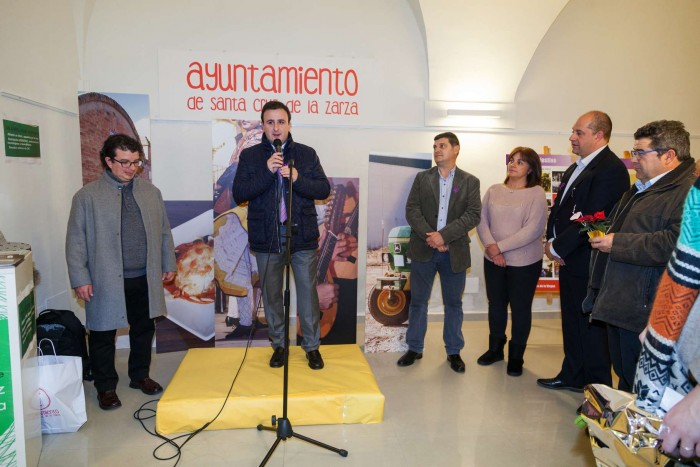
(627, 263)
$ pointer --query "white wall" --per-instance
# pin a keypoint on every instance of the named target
(636, 59)
(39, 62)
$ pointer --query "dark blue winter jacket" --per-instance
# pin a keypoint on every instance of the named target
(256, 184)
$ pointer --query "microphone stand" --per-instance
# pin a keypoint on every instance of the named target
(284, 428)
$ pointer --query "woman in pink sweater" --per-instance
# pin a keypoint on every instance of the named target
(513, 218)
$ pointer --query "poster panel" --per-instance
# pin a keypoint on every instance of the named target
(336, 278)
(388, 269)
(105, 114)
(238, 306)
(553, 168)
(189, 299)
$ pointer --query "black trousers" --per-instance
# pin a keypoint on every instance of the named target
(141, 331)
(514, 285)
(586, 355)
(624, 353)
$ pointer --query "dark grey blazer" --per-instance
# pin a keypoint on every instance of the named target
(463, 214)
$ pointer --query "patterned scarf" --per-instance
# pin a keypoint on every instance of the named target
(659, 366)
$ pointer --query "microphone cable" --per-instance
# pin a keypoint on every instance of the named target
(145, 412)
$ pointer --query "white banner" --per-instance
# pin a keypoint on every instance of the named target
(195, 85)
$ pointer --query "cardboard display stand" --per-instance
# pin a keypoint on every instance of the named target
(20, 418)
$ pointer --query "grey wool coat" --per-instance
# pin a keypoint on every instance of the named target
(94, 249)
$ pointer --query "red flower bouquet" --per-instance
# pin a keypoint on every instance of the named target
(595, 225)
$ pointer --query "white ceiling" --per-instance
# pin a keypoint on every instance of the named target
(478, 51)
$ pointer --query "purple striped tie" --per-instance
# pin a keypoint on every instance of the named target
(283, 206)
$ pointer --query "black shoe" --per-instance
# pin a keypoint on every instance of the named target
(456, 363)
(231, 321)
(409, 358)
(277, 359)
(557, 384)
(490, 357)
(315, 359)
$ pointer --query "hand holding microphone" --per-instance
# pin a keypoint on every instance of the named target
(276, 162)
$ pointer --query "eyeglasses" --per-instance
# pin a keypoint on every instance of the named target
(636, 153)
(127, 164)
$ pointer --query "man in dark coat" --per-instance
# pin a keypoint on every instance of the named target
(594, 183)
(263, 178)
(628, 261)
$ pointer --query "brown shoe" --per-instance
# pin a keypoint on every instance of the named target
(147, 386)
(108, 400)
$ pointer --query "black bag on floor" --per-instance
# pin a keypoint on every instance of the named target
(67, 333)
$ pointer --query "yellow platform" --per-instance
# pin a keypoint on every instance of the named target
(345, 391)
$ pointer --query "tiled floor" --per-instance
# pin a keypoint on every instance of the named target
(433, 417)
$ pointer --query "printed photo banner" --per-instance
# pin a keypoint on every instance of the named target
(200, 85)
(388, 273)
(553, 168)
(237, 282)
(106, 114)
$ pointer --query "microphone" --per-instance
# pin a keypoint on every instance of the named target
(278, 148)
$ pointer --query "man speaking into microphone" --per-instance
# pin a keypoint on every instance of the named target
(263, 178)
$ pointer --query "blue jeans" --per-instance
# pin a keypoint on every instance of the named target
(271, 271)
(452, 285)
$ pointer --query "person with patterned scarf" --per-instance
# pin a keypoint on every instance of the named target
(670, 356)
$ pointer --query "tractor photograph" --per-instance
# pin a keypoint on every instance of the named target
(389, 298)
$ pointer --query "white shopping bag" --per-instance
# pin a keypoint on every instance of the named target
(61, 394)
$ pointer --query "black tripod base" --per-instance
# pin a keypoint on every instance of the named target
(284, 431)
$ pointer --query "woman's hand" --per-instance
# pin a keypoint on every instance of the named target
(680, 430)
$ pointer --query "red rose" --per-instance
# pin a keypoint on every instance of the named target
(599, 216)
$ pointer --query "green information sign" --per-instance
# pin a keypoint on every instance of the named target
(21, 140)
